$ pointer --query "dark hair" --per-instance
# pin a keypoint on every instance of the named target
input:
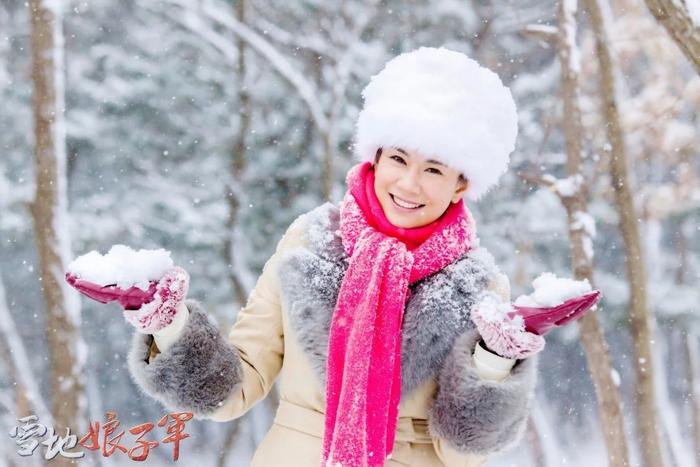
(461, 179)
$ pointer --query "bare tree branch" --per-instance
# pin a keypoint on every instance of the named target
(640, 326)
(192, 20)
(574, 197)
(675, 17)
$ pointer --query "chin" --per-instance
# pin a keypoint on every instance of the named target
(406, 224)
(400, 224)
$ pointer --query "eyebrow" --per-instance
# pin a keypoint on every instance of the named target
(429, 161)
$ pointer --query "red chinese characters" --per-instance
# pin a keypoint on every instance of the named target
(109, 444)
(142, 446)
(176, 430)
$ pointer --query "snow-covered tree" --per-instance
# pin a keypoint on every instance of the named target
(49, 209)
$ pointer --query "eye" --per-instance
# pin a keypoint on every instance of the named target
(434, 170)
(398, 159)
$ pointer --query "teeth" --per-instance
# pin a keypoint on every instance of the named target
(404, 204)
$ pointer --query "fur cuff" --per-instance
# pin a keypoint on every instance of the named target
(476, 415)
(196, 374)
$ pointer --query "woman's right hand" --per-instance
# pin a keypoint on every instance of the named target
(503, 333)
(155, 315)
(148, 311)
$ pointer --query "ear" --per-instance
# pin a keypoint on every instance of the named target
(459, 191)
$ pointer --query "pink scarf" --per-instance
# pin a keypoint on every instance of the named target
(363, 370)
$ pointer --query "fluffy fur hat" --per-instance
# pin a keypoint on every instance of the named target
(445, 106)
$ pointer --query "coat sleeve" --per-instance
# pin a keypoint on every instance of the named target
(473, 416)
(216, 377)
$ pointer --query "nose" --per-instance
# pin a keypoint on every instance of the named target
(409, 181)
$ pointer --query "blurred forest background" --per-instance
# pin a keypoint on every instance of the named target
(206, 126)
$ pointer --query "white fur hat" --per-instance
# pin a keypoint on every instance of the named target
(445, 106)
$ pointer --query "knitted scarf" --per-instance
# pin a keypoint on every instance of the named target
(363, 370)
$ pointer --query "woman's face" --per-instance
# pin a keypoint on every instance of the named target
(412, 190)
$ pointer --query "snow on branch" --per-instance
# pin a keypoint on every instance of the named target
(584, 222)
(568, 187)
(219, 14)
(282, 36)
(190, 20)
(573, 56)
(541, 31)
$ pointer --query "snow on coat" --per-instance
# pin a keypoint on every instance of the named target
(448, 414)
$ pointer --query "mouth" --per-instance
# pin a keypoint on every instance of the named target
(405, 205)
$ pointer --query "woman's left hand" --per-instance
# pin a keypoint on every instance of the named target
(503, 334)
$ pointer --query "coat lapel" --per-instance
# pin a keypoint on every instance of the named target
(437, 310)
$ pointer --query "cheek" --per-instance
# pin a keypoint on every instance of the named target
(438, 192)
(383, 180)
(381, 186)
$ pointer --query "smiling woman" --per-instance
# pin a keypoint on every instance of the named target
(412, 190)
(364, 310)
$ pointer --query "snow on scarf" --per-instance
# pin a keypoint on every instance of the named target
(363, 383)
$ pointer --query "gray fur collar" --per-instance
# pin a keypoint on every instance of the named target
(436, 312)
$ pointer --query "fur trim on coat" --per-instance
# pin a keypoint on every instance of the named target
(477, 415)
(197, 374)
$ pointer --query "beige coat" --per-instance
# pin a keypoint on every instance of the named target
(268, 348)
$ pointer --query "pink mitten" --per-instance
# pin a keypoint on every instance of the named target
(504, 334)
(158, 313)
(148, 311)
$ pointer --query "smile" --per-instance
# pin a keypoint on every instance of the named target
(403, 204)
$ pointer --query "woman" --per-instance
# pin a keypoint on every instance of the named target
(371, 311)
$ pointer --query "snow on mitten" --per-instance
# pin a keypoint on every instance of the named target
(158, 313)
(503, 334)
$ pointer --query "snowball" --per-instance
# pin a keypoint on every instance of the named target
(492, 310)
(526, 300)
(122, 266)
(551, 290)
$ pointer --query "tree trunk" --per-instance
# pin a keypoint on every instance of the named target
(28, 396)
(237, 168)
(647, 417)
(674, 446)
(690, 344)
(49, 212)
(675, 17)
(326, 138)
(327, 167)
(592, 338)
(689, 341)
(235, 193)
